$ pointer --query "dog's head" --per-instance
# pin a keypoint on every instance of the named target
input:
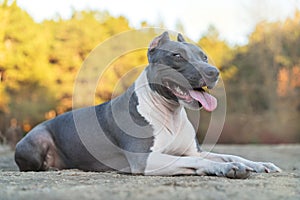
(179, 71)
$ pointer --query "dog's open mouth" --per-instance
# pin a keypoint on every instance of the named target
(200, 94)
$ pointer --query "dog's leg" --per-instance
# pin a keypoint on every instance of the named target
(258, 167)
(163, 164)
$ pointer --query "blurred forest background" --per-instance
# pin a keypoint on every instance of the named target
(39, 63)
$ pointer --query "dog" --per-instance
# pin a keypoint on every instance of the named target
(143, 131)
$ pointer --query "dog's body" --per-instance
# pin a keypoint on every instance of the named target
(145, 130)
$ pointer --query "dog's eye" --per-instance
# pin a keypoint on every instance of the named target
(177, 55)
(205, 58)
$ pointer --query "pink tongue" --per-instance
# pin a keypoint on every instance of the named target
(208, 102)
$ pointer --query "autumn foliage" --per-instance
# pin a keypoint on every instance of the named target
(40, 61)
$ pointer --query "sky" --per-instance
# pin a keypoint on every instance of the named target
(234, 19)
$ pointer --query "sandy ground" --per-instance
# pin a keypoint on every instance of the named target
(74, 184)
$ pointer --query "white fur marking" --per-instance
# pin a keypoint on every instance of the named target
(173, 132)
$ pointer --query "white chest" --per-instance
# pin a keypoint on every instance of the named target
(174, 135)
(173, 132)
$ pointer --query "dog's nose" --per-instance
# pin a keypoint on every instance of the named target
(211, 72)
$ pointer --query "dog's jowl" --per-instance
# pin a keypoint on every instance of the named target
(143, 131)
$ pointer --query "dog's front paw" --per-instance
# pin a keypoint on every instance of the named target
(264, 167)
(236, 170)
(230, 170)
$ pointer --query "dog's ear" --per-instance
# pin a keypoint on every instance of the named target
(159, 40)
(180, 38)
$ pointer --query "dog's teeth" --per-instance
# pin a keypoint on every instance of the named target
(167, 85)
(177, 89)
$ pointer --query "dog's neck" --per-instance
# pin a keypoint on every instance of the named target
(160, 112)
(152, 99)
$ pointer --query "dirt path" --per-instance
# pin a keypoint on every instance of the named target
(73, 184)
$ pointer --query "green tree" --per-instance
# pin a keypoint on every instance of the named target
(72, 41)
(23, 63)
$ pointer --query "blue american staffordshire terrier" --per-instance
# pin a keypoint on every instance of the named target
(145, 130)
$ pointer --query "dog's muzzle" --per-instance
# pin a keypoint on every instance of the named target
(199, 94)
